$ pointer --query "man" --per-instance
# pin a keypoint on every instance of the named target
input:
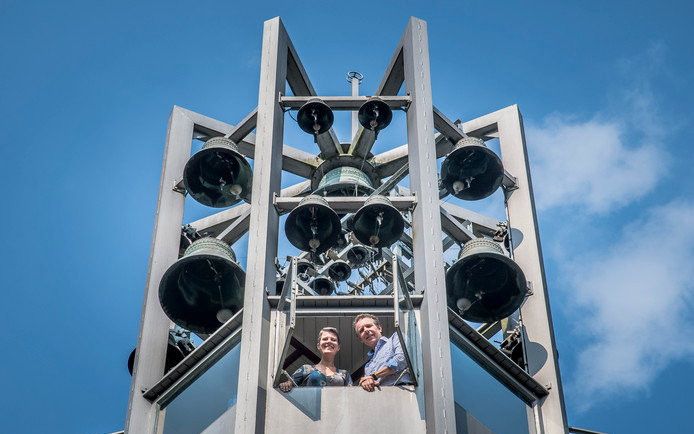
(386, 365)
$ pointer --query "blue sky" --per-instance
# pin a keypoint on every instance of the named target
(86, 89)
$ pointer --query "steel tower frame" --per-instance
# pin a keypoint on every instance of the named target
(540, 386)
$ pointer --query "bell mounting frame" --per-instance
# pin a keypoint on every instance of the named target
(427, 129)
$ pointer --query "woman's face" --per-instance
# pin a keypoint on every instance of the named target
(327, 343)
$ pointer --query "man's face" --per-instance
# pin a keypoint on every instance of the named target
(368, 332)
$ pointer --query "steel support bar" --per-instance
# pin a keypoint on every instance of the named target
(301, 86)
(154, 325)
(454, 228)
(536, 315)
(235, 230)
(262, 241)
(426, 221)
(244, 128)
(390, 85)
(344, 102)
(347, 203)
(294, 160)
(494, 361)
(388, 162)
(480, 223)
(343, 311)
(447, 127)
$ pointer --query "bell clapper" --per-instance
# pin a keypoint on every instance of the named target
(224, 315)
(374, 239)
(459, 186)
(373, 122)
(233, 190)
(314, 243)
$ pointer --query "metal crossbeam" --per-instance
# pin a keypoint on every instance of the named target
(342, 204)
(344, 102)
(243, 128)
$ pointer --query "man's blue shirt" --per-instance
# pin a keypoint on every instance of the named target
(388, 353)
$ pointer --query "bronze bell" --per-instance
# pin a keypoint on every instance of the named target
(471, 171)
(345, 181)
(313, 226)
(375, 114)
(204, 288)
(484, 285)
(305, 269)
(339, 270)
(218, 175)
(358, 255)
(315, 117)
(322, 285)
(174, 354)
(378, 223)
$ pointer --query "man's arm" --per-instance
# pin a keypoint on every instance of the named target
(394, 366)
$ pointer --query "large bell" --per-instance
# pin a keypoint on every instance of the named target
(345, 181)
(218, 175)
(322, 285)
(174, 355)
(484, 285)
(313, 226)
(204, 288)
(471, 171)
(315, 117)
(339, 270)
(378, 223)
(375, 114)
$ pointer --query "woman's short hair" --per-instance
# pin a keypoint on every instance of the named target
(332, 330)
(361, 316)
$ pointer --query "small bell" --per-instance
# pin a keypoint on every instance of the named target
(315, 117)
(313, 226)
(358, 255)
(375, 114)
(322, 285)
(339, 270)
(378, 223)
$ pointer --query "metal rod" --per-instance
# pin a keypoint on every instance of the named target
(346, 204)
(344, 102)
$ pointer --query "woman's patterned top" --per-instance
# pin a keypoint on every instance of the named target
(308, 375)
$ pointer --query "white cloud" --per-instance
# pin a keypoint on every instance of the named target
(634, 303)
(590, 166)
(606, 162)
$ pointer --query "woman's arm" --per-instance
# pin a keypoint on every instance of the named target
(294, 380)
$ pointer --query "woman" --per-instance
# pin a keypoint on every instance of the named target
(324, 373)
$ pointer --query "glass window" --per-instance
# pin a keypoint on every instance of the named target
(207, 401)
(481, 400)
